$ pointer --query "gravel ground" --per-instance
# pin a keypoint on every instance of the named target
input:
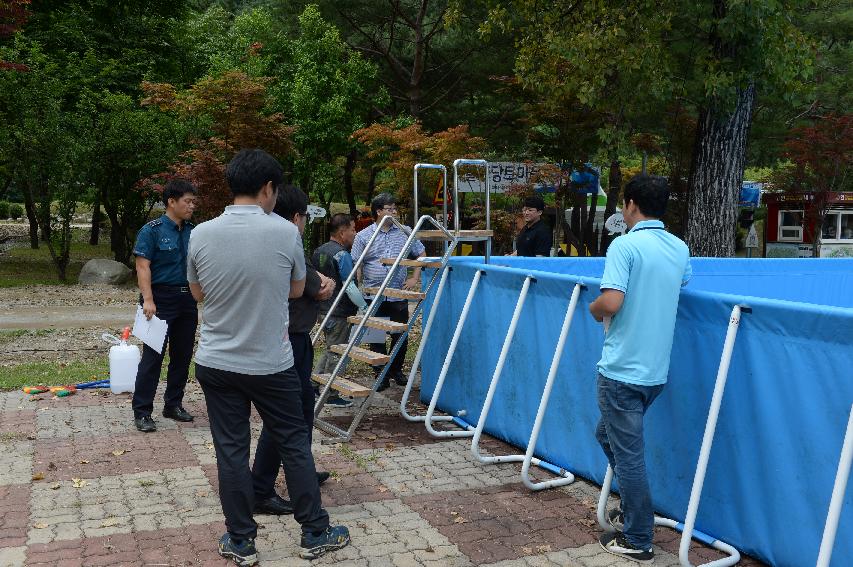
(85, 343)
(54, 345)
(54, 295)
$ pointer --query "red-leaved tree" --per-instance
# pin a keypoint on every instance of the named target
(821, 156)
(13, 15)
(234, 106)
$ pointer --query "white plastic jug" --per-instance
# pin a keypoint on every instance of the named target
(124, 361)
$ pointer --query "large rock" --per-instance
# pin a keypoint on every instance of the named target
(104, 271)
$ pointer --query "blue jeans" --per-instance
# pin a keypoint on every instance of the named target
(620, 433)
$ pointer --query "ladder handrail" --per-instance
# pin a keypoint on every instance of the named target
(377, 299)
(485, 165)
(425, 331)
(358, 264)
(418, 167)
(345, 435)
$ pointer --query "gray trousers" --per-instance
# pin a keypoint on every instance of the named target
(336, 332)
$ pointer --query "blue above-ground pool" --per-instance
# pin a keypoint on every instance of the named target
(783, 416)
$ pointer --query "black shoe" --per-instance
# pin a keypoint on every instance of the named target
(616, 519)
(323, 476)
(400, 379)
(178, 414)
(616, 544)
(241, 552)
(275, 505)
(145, 424)
(338, 402)
(332, 538)
(384, 385)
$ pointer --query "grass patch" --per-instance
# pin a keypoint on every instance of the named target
(360, 460)
(52, 373)
(59, 373)
(24, 266)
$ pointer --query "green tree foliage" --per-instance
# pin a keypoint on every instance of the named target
(627, 65)
(101, 49)
(13, 14)
(331, 92)
(125, 143)
(39, 145)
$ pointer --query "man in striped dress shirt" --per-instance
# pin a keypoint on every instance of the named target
(388, 244)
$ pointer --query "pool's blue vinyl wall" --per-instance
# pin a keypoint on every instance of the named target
(783, 415)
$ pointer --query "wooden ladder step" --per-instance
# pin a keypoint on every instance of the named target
(396, 293)
(343, 386)
(462, 234)
(411, 263)
(381, 324)
(363, 355)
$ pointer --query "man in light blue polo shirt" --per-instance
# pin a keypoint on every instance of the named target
(643, 275)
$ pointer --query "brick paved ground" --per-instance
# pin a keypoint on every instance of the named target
(79, 486)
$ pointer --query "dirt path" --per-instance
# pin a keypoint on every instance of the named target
(67, 317)
(66, 307)
(58, 323)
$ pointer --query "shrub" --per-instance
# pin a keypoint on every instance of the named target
(16, 211)
(4, 210)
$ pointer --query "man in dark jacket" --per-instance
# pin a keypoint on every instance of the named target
(333, 260)
(292, 205)
(535, 238)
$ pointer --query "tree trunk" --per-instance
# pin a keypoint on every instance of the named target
(589, 233)
(348, 190)
(614, 189)
(371, 185)
(118, 242)
(94, 235)
(32, 217)
(716, 175)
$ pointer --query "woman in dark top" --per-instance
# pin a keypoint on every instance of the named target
(535, 238)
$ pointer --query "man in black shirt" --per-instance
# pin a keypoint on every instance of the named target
(535, 238)
(292, 205)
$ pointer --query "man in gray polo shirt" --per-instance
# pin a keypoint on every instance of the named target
(241, 264)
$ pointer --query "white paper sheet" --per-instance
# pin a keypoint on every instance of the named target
(151, 332)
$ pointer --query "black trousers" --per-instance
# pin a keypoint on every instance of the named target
(180, 311)
(398, 311)
(277, 398)
(267, 458)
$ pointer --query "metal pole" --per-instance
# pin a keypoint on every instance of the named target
(426, 329)
(543, 403)
(446, 366)
(601, 511)
(493, 385)
(837, 500)
(707, 442)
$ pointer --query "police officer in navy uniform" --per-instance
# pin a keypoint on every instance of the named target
(161, 271)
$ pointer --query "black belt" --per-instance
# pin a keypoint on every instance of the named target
(172, 288)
